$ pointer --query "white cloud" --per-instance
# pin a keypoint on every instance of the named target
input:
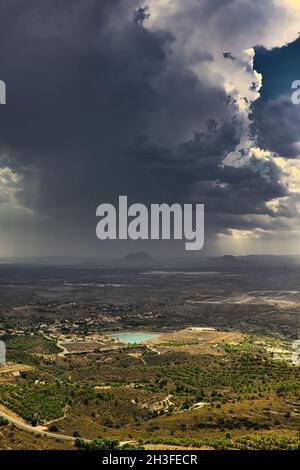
(10, 184)
(235, 27)
(290, 173)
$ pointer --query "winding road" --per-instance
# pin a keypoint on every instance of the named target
(26, 427)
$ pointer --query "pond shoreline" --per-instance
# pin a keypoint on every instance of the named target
(134, 337)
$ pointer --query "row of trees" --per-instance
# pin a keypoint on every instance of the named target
(102, 444)
(248, 442)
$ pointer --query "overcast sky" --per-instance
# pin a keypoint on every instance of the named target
(185, 101)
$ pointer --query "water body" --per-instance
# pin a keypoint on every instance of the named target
(131, 337)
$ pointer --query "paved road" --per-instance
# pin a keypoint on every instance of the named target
(27, 427)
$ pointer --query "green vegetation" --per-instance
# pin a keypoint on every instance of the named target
(96, 444)
(178, 343)
(238, 375)
(254, 344)
(240, 398)
(247, 442)
(3, 421)
(27, 349)
(35, 403)
(103, 444)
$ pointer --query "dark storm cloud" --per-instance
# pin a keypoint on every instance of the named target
(99, 105)
(196, 172)
(277, 123)
(79, 80)
(141, 14)
(85, 80)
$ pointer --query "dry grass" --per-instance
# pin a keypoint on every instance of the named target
(195, 341)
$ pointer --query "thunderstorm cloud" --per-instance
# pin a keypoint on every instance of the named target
(159, 101)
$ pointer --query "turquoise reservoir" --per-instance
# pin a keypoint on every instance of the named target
(134, 337)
